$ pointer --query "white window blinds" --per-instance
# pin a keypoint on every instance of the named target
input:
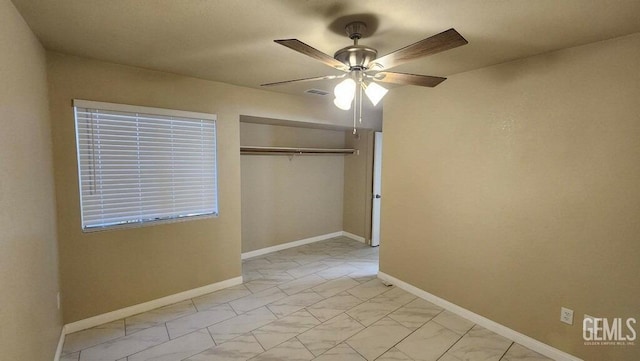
(139, 164)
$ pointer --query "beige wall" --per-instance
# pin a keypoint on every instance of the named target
(285, 200)
(29, 317)
(513, 190)
(268, 135)
(358, 184)
(105, 271)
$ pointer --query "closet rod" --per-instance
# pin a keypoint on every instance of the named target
(290, 151)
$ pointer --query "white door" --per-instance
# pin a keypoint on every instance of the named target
(377, 177)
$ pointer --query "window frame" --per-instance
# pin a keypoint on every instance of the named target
(105, 106)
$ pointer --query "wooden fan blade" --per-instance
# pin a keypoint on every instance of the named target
(307, 50)
(440, 42)
(304, 80)
(408, 79)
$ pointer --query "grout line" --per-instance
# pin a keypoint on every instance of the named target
(396, 344)
(150, 347)
(169, 339)
(289, 339)
(312, 315)
(458, 340)
(507, 350)
(166, 328)
(194, 305)
(305, 346)
(451, 356)
(412, 331)
(274, 315)
(260, 343)
(360, 323)
(124, 320)
(356, 351)
(211, 335)
(407, 356)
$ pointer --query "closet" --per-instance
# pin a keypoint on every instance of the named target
(300, 181)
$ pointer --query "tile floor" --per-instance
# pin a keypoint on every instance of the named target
(318, 302)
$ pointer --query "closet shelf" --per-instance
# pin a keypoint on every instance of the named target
(293, 151)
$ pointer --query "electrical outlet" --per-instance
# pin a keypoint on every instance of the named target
(566, 315)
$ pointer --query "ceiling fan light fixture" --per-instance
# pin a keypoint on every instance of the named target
(375, 93)
(362, 65)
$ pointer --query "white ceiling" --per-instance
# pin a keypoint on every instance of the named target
(232, 40)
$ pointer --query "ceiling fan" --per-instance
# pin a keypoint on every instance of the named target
(363, 67)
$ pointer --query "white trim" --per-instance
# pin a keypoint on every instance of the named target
(531, 343)
(140, 109)
(280, 247)
(354, 237)
(56, 357)
(147, 306)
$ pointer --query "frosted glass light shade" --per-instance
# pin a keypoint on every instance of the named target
(342, 104)
(375, 93)
(345, 91)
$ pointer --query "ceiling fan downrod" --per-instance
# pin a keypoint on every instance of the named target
(355, 30)
(356, 57)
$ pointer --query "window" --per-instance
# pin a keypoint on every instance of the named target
(138, 165)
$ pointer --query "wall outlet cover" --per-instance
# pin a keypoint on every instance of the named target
(566, 315)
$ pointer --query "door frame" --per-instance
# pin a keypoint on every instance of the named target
(376, 198)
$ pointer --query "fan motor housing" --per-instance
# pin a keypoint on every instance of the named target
(357, 57)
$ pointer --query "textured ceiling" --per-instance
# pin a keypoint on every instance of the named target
(232, 41)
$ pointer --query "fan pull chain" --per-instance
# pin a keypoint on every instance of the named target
(357, 112)
(360, 120)
(354, 120)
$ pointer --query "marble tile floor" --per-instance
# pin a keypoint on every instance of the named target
(320, 302)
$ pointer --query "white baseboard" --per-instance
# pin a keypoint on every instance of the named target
(147, 306)
(531, 343)
(280, 247)
(56, 357)
(354, 237)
